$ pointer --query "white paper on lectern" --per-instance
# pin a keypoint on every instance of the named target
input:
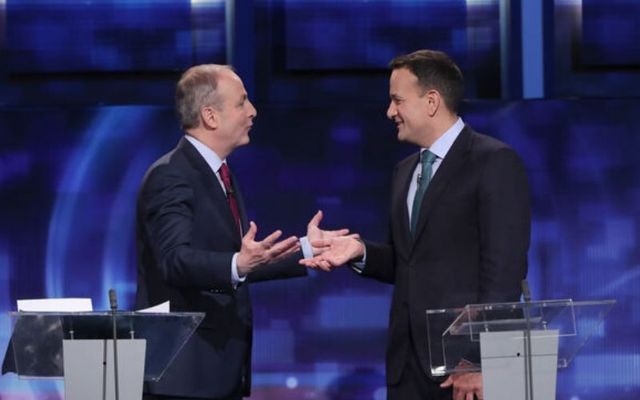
(158, 308)
(55, 305)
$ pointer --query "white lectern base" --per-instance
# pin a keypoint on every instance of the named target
(89, 372)
(503, 364)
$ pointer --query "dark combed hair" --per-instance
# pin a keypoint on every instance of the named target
(196, 89)
(435, 70)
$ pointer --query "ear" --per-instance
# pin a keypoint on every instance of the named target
(210, 117)
(434, 101)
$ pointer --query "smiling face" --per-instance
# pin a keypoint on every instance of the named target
(409, 106)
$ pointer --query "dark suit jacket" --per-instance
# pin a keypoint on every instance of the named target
(470, 244)
(186, 238)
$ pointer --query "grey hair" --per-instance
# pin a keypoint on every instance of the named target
(196, 89)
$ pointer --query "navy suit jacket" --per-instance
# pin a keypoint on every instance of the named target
(186, 238)
(470, 244)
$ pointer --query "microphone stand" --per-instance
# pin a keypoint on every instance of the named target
(114, 307)
(528, 369)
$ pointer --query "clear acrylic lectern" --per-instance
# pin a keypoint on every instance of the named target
(79, 347)
(515, 345)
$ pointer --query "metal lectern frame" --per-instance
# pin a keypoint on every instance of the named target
(478, 336)
(38, 339)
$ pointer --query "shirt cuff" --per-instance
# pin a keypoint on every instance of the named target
(235, 278)
(305, 245)
(358, 266)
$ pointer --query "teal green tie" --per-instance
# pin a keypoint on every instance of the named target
(426, 159)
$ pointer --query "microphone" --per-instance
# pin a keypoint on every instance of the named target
(526, 293)
(528, 367)
(113, 302)
(418, 178)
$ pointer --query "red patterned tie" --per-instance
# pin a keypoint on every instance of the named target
(225, 174)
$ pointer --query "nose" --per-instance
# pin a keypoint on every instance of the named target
(252, 110)
(391, 110)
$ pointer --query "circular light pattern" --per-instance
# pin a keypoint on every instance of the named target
(292, 382)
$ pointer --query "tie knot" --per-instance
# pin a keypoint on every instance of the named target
(427, 157)
(224, 171)
(225, 175)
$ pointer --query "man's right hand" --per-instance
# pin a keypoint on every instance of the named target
(253, 253)
(335, 252)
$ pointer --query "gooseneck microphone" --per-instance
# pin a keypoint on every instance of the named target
(113, 301)
(528, 367)
(526, 293)
(114, 308)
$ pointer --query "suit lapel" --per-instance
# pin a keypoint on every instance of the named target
(209, 181)
(453, 161)
(399, 202)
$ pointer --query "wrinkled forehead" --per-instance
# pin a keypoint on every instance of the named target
(229, 83)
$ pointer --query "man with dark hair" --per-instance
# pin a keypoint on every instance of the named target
(434, 69)
(196, 248)
(459, 224)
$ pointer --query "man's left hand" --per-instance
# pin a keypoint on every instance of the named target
(314, 233)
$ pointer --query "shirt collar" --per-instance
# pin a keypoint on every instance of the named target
(441, 146)
(212, 159)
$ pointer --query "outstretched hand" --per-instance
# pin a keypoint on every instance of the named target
(314, 233)
(335, 251)
(253, 253)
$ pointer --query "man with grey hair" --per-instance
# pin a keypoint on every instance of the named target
(196, 247)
